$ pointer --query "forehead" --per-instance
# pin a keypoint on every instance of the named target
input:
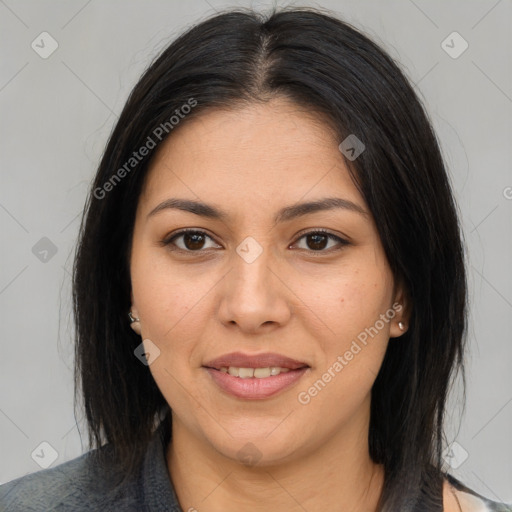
(267, 151)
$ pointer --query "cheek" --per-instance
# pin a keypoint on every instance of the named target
(348, 299)
(174, 304)
(352, 352)
(167, 296)
(172, 307)
(350, 304)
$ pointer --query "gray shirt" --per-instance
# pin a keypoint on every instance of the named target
(79, 486)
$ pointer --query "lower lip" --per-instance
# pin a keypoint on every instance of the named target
(254, 388)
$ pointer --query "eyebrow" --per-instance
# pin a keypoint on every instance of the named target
(285, 214)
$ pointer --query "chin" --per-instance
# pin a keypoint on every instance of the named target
(258, 448)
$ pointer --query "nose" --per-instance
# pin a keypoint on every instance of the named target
(253, 295)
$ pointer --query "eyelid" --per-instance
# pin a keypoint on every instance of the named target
(312, 231)
(168, 240)
(309, 231)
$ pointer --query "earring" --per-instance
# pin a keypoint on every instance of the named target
(134, 323)
(401, 326)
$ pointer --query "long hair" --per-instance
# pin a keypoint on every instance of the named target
(326, 65)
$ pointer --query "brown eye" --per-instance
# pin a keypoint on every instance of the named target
(192, 240)
(317, 241)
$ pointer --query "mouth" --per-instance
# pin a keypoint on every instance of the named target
(255, 373)
(255, 377)
(263, 361)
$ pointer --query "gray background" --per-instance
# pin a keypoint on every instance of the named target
(56, 115)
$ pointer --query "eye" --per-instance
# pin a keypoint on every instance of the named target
(193, 240)
(317, 241)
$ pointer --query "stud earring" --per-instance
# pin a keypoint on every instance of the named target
(134, 323)
(401, 326)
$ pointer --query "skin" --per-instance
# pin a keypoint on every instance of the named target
(308, 305)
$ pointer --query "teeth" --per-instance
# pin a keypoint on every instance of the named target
(259, 373)
(245, 373)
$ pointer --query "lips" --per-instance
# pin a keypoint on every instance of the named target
(224, 372)
(264, 360)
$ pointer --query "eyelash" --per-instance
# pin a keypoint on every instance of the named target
(170, 240)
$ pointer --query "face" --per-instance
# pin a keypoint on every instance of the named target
(261, 278)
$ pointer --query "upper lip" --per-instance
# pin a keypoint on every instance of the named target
(264, 360)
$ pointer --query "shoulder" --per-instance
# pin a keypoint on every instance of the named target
(459, 498)
(77, 485)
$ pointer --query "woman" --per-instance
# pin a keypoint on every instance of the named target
(269, 287)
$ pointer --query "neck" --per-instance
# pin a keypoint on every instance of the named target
(338, 472)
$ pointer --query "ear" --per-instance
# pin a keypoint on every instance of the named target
(402, 308)
(135, 314)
